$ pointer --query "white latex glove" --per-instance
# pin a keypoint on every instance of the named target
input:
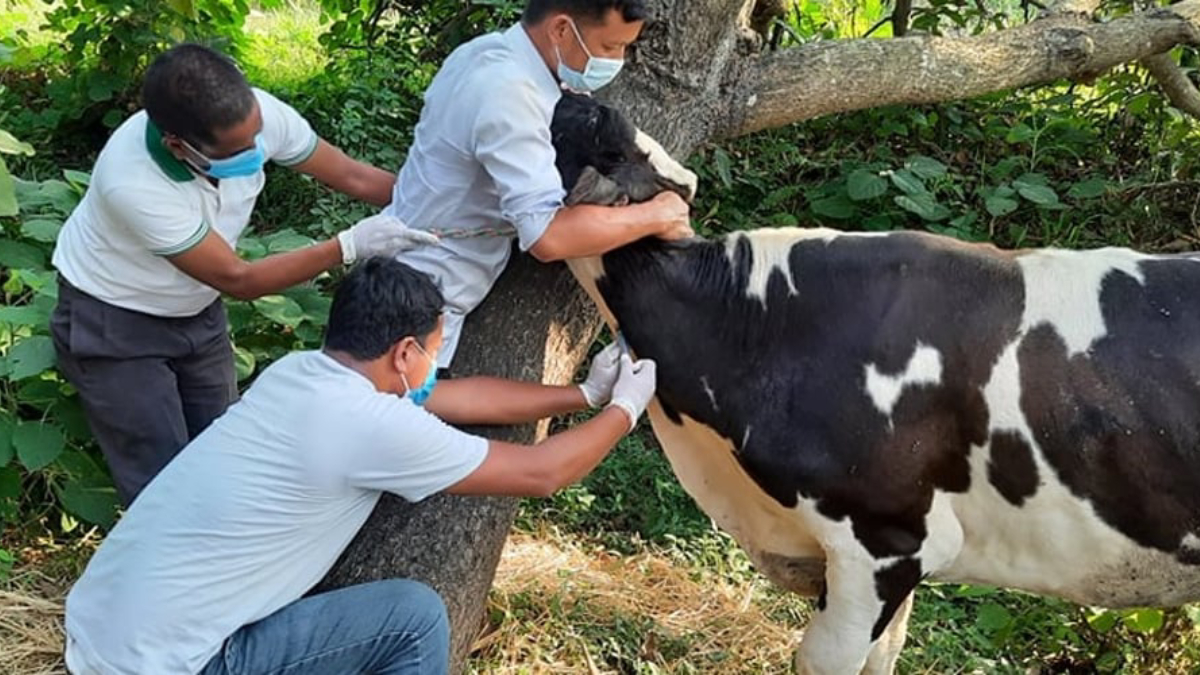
(634, 387)
(380, 234)
(597, 388)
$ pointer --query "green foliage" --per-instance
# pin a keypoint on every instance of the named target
(91, 72)
(47, 460)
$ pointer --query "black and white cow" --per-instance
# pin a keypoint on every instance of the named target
(865, 411)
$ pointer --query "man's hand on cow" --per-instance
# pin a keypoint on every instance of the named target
(597, 388)
(634, 387)
(380, 234)
(674, 214)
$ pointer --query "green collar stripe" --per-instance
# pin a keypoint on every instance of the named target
(175, 169)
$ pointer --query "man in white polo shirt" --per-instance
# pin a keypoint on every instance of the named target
(206, 571)
(482, 160)
(140, 329)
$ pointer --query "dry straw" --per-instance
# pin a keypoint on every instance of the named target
(727, 627)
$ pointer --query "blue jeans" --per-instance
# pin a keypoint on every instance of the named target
(383, 628)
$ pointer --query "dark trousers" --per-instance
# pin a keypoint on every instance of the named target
(148, 384)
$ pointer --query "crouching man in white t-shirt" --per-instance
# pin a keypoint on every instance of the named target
(205, 572)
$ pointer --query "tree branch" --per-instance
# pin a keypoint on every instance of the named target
(1179, 89)
(900, 17)
(838, 76)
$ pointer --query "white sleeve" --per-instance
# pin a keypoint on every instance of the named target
(288, 137)
(164, 222)
(512, 141)
(412, 453)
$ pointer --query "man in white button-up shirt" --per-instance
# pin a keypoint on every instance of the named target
(482, 161)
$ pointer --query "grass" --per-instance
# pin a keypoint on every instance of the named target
(283, 50)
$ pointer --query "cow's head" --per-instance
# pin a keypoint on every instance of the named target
(603, 159)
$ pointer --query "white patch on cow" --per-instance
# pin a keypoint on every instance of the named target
(1062, 288)
(586, 271)
(770, 248)
(769, 251)
(708, 390)
(924, 367)
(1054, 543)
(665, 165)
(706, 465)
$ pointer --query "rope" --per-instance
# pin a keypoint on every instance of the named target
(473, 233)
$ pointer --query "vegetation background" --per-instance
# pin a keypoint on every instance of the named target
(621, 573)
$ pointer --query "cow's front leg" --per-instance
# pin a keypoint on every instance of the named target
(862, 598)
(886, 649)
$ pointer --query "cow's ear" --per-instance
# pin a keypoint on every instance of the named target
(595, 188)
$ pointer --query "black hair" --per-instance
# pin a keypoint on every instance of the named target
(380, 302)
(191, 91)
(591, 11)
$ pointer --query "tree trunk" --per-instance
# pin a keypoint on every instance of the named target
(700, 73)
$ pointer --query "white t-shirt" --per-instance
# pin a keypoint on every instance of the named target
(252, 513)
(481, 158)
(143, 205)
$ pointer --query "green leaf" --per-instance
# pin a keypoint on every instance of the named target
(8, 192)
(112, 118)
(10, 483)
(251, 248)
(924, 205)
(20, 255)
(993, 618)
(6, 431)
(77, 178)
(1000, 206)
(1102, 620)
(96, 505)
(39, 393)
(1193, 614)
(926, 167)
(30, 357)
(1020, 134)
(724, 167)
(908, 182)
(11, 146)
(243, 363)
(862, 185)
(287, 241)
(22, 316)
(838, 207)
(38, 444)
(1088, 189)
(1031, 178)
(280, 309)
(1144, 620)
(41, 229)
(1038, 194)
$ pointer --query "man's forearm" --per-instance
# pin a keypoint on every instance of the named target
(370, 184)
(284, 270)
(587, 230)
(490, 400)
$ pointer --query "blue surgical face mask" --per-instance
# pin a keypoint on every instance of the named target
(245, 163)
(597, 73)
(422, 394)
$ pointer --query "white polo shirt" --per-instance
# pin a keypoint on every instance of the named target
(481, 158)
(143, 205)
(252, 513)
